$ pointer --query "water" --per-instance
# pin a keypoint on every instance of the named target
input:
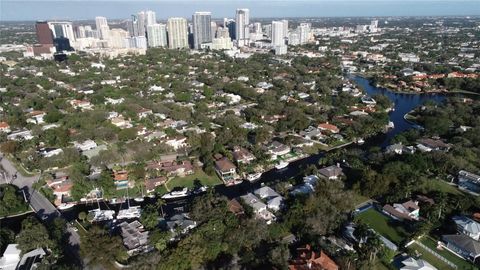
(404, 103)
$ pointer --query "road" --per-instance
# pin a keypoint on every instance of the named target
(44, 209)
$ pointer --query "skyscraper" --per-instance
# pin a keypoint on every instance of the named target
(141, 19)
(177, 33)
(157, 35)
(132, 26)
(44, 33)
(242, 20)
(285, 28)
(202, 29)
(277, 33)
(304, 32)
(62, 29)
(231, 26)
(150, 17)
(102, 27)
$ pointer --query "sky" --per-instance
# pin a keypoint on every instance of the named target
(13, 10)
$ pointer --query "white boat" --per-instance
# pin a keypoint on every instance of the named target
(360, 141)
(98, 215)
(130, 213)
(390, 125)
(139, 199)
(65, 206)
(176, 194)
(368, 100)
(254, 176)
(281, 165)
(199, 190)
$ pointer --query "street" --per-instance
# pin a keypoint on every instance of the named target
(44, 209)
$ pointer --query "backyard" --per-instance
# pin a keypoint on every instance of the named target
(188, 181)
(461, 263)
(385, 226)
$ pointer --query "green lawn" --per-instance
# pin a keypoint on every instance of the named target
(383, 225)
(438, 185)
(188, 180)
(461, 263)
(427, 256)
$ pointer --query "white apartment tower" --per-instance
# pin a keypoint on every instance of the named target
(285, 28)
(157, 35)
(277, 33)
(150, 17)
(202, 28)
(177, 33)
(242, 20)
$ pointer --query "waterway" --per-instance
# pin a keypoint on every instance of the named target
(404, 103)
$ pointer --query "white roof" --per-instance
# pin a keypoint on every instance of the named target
(467, 224)
(413, 264)
(11, 258)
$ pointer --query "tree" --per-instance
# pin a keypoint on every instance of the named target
(149, 217)
(101, 249)
(33, 235)
(82, 216)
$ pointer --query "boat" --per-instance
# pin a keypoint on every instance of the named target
(390, 125)
(65, 206)
(281, 165)
(131, 212)
(98, 215)
(360, 141)
(200, 190)
(368, 100)
(176, 194)
(139, 199)
(253, 176)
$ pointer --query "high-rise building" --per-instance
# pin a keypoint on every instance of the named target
(267, 29)
(277, 33)
(102, 27)
(117, 38)
(202, 29)
(150, 18)
(81, 32)
(62, 29)
(285, 28)
(44, 33)
(177, 33)
(222, 32)
(257, 28)
(242, 20)
(141, 19)
(213, 27)
(157, 35)
(304, 32)
(231, 26)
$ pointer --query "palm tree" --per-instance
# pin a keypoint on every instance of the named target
(160, 203)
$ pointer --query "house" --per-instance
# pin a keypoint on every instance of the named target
(135, 237)
(235, 207)
(467, 227)
(427, 145)
(469, 181)
(120, 179)
(394, 149)
(81, 104)
(259, 208)
(20, 135)
(61, 187)
(306, 258)
(152, 183)
(177, 142)
(226, 170)
(4, 127)
(331, 173)
(142, 113)
(463, 245)
(403, 211)
(416, 264)
(266, 193)
(50, 152)
(12, 258)
(86, 145)
(242, 155)
(180, 222)
(311, 133)
(308, 187)
(113, 101)
(328, 127)
(36, 117)
(275, 204)
(173, 167)
(120, 122)
(278, 149)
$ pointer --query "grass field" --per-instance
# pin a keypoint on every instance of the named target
(461, 263)
(438, 185)
(188, 181)
(427, 256)
(383, 225)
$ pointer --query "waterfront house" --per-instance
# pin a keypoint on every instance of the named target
(235, 207)
(120, 179)
(226, 170)
(428, 144)
(328, 127)
(135, 237)
(266, 193)
(463, 245)
(469, 181)
(467, 227)
(306, 258)
(394, 149)
(152, 183)
(403, 211)
(180, 222)
(331, 173)
(259, 208)
(242, 155)
(416, 264)
(172, 167)
(278, 149)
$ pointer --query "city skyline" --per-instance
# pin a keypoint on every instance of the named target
(77, 10)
